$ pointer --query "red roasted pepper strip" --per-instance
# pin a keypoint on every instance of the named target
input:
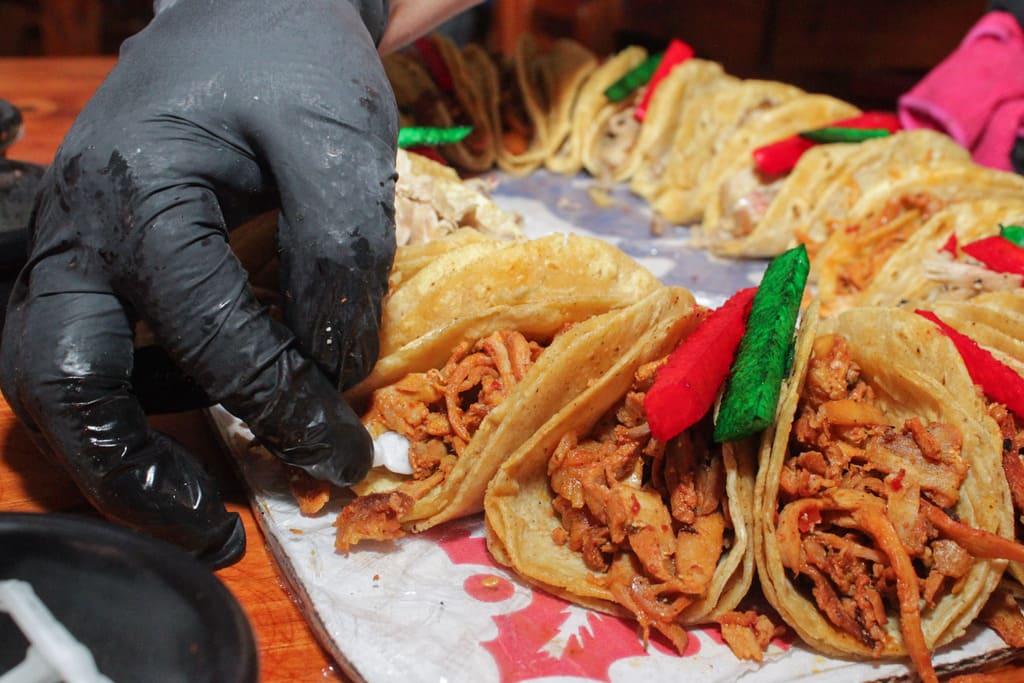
(997, 253)
(429, 152)
(951, 245)
(686, 385)
(781, 156)
(996, 379)
(676, 53)
(435, 63)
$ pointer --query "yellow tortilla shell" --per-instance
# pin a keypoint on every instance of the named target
(995, 320)
(568, 157)
(616, 144)
(467, 282)
(549, 79)
(915, 371)
(564, 370)
(704, 127)
(872, 162)
(782, 203)
(518, 511)
(856, 251)
(733, 176)
(658, 145)
(918, 272)
(413, 86)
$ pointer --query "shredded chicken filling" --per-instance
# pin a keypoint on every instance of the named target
(619, 136)
(647, 517)
(874, 241)
(745, 199)
(438, 411)
(862, 515)
(1011, 428)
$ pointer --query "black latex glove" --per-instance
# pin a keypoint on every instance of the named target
(216, 111)
(1016, 8)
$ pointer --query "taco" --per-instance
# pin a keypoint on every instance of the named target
(530, 96)
(995, 322)
(658, 146)
(615, 142)
(463, 286)
(824, 184)
(705, 125)
(880, 443)
(431, 201)
(869, 164)
(890, 213)
(734, 193)
(595, 510)
(568, 157)
(930, 266)
(439, 90)
(480, 373)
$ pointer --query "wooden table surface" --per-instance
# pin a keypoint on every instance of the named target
(50, 92)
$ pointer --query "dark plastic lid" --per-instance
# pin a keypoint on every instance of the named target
(145, 609)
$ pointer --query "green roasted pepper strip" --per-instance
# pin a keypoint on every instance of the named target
(1014, 233)
(762, 360)
(840, 134)
(634, 78)
(427, 136)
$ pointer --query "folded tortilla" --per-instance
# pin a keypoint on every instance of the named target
(920, 270)
(531, 97)
(995, 321)
(602, 534)
(890, 213)
(423, 102)
(568, 157)
(840, 497)
(491, 357)
(659, 145)
(464, 286)
(704, 127)
(734, 193)
(616, 144)
(826, 182)
(869, 163)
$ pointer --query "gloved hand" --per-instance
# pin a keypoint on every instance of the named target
(216, 111)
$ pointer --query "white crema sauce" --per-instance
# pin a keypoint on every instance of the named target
(391, 451)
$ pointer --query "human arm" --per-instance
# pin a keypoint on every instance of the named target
(410, 19)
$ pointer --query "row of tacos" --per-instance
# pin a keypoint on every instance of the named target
(874, 510)
(692, 156)
(877, 511)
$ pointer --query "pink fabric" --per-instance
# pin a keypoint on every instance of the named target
(976, 94)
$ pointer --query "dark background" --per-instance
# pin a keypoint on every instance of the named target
(866, 51)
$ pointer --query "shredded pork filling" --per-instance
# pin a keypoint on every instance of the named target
(863, 515)
(875, 240)
(1011, 429)
(438, 411)
(647, 517)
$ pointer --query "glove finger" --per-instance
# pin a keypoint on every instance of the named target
(161, 387)
(66, 365)
(194, 294)
(333, 160)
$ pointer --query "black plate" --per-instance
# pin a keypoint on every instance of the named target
(146, 610)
